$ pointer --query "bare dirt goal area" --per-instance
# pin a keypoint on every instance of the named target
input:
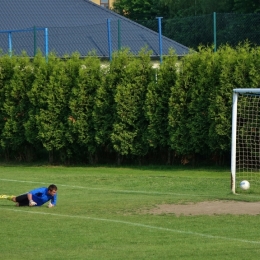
(209, 208)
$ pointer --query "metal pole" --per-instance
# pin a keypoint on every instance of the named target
(160, 36)
(109, 39)
(46, 43)
(10, 43)
(234, 142)
(215, 31)
(34, 40)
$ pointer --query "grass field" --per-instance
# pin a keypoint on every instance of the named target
(102, 214)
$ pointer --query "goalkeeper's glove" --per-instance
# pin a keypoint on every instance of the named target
(50, 205)
(32, 203)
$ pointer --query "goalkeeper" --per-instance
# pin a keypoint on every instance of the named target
(36, 197)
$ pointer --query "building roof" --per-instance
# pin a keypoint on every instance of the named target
(74, 25)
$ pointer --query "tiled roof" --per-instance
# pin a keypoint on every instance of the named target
(75, 25)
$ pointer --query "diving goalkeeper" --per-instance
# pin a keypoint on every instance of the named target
(36, 197)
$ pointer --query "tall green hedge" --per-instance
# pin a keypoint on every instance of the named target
(75, 110)
(129, 134)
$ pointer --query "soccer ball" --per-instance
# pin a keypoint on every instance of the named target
(244, 185)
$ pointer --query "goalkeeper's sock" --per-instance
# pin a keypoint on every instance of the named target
(8, 197)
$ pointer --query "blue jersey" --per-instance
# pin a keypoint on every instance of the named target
(41, 196)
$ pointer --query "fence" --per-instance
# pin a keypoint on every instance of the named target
(102, 38)
(111, 35)
(29, 39)
(216, 28)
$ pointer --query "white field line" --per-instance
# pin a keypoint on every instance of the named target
(110, 190)
(139, 225)
(124, 191)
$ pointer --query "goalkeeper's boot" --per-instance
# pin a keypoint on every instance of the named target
(11, 197)
(8, 197)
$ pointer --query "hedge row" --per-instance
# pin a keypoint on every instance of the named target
(81, 111)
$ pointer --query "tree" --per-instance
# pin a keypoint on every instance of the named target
(82, 102)
(182, 8)
(6, 75)
(34, 95)
(249, 6)
(104, 111)
(188, 105)
(149, 9)
(49, 94)
(129, 136)
(157, 103)
(15, 77)
(140, 9)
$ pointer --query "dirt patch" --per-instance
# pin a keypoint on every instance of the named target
(209, 208)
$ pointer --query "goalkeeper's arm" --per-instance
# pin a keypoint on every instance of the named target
(31, 202)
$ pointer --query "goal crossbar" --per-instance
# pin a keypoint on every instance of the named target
(247, 90)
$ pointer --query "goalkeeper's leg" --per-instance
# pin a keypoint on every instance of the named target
(8, 197)
(20, 200)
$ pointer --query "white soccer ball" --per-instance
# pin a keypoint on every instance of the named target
(244, 185)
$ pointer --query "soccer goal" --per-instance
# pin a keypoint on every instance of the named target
(245, 150)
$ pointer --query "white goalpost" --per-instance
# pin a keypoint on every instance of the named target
(245, 149)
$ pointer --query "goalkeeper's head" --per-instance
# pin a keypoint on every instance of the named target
(52, 189)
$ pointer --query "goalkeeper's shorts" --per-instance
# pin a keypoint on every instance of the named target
(22, 200)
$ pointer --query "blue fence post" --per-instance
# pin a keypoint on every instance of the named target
(46, 43)
(109, 39)
(215, 31)
(160, 36)
(34, 40)
(10, 43)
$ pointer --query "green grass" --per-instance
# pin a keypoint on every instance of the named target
(100, 215)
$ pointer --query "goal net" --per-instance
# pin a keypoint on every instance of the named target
(245, 150)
